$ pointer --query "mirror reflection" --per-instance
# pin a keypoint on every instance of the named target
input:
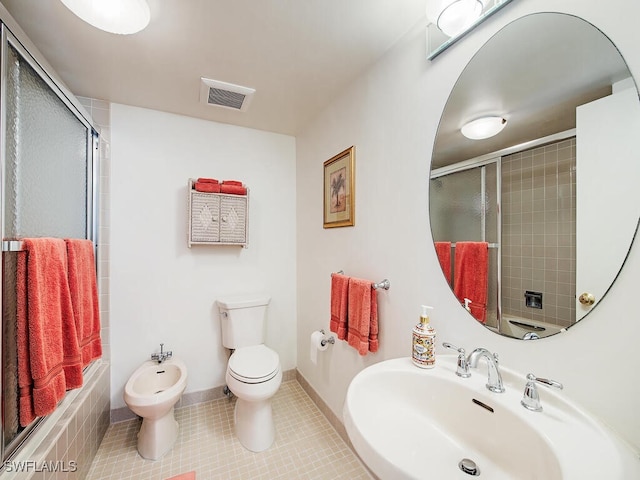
(532, 225)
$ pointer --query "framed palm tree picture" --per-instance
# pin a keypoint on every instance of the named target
(339, 189)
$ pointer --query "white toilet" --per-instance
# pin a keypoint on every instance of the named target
(253, 372)
(151, 393)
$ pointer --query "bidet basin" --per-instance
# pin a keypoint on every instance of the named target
(154, 384)
(406, 422)
(151, 393)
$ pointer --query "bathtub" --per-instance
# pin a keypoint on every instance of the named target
(518, 327)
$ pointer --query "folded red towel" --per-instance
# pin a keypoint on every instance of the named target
(471, 276)
(233, 189)
(83, 287)
(339, 291)
(207, 187)
(232, 182)
(206, 180)
(362, 316)
(49, 359)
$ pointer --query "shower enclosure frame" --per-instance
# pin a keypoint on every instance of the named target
(92, 177)
(496, 157)
(481, 162)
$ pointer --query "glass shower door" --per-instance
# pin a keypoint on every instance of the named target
(46, 177)
(47, 190)
(464, 207)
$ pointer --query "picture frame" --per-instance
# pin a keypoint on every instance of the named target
(339, 190)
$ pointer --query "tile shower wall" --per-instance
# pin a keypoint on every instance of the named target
(538, 232)
(100, 112)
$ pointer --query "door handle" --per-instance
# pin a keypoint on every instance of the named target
(587, 299)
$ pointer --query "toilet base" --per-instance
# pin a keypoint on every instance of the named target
(254, 424)
(157, 436)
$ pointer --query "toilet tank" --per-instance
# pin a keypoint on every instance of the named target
(243, 319)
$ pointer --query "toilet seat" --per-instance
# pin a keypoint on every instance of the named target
(255, 364)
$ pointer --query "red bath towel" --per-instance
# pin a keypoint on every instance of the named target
(232, 182)
(339, 292)
(443, 250)
(83, 287)
(49, 360)
(471, 276)
(362, 324)
(207, 180)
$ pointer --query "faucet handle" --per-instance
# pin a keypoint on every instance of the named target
(462, 369)
(530, 398)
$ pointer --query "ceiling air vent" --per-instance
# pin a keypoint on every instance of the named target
(226, 95)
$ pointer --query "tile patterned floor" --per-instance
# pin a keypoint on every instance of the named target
(306, 446)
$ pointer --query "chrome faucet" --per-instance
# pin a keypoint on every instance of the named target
(494, 382)
(162, 356)
(531, 399)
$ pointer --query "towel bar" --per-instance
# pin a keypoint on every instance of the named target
(12, 246)
(384, 284)
(490, 245)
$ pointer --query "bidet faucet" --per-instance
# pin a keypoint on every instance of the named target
(162, 356)
(494, 383)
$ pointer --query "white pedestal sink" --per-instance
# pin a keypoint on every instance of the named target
(410, 423)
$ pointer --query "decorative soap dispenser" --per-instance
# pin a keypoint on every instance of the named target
(424, 342)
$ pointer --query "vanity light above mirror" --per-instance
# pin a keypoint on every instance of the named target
(450, 20)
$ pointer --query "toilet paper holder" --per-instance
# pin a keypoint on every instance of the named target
(330, 340)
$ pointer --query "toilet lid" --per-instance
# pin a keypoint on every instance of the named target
(254, 364)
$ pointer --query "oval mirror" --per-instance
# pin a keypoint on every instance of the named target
(532, 225)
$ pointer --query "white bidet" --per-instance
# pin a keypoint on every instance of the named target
(151, 393)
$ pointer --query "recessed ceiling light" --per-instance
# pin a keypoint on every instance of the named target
(114, 16)
(483, 127)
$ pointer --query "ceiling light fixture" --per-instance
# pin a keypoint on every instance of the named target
(483, 127)
(123, 17)
(454, 16)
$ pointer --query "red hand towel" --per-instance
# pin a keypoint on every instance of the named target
(443, 250)
(49, 360)
(207, 187)
(233, 189)
(373, 327)
(339, 291)
(362, 316)
(232, 182)
(206, 180)
(471, 276)
(83, 287)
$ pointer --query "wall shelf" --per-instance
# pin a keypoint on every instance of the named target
(217, 218)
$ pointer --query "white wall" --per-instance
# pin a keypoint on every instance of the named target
(163, 291)
(391, 115)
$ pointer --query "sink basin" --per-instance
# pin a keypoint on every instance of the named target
(406, 422)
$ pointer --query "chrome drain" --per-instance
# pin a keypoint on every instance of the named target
(469, 467)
